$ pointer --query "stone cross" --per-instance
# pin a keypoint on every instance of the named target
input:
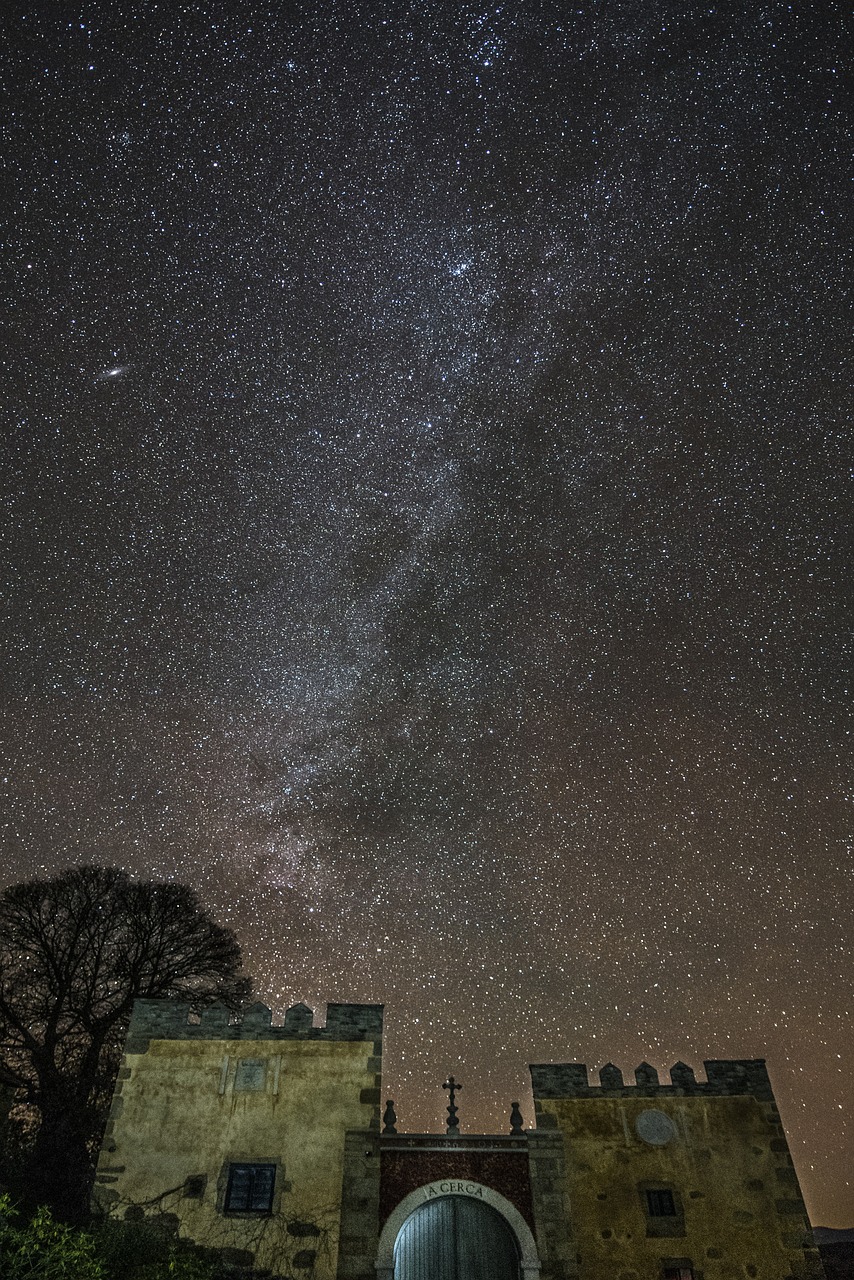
(453, 1089)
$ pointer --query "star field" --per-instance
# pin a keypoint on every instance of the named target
(426, 518)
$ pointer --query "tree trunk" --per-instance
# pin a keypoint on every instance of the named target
(60, 1171)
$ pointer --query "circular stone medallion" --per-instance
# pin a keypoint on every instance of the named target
(656, 1128)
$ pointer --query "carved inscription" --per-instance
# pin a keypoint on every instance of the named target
(453, 1189)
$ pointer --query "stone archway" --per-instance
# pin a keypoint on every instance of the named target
(529, 1262)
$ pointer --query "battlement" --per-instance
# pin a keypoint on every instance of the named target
(171, 1020)
(723, 1079)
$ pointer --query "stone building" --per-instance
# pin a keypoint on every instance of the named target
(268, 1144)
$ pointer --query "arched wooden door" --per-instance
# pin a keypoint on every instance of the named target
(456, 1238)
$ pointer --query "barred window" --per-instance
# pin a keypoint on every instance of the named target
(250, 1188)
(660, 1204)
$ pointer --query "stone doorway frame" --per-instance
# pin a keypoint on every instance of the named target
(529, 1261)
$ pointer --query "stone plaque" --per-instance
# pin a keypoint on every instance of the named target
(249, 1076)
(655, 1128)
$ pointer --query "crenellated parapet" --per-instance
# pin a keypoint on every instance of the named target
(175, 1020)
(723, 1079)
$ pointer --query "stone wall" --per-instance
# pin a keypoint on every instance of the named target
(723, 1079)
(716, 1145)
(360, 1210)
(194, 1097)
(173, 1020)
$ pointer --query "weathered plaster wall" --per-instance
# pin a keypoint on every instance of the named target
(187, 1107)
(739, 1209)
(194, 1097)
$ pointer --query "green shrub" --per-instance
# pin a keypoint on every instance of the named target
(43, 1249)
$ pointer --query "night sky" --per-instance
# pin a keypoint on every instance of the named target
(425, 522)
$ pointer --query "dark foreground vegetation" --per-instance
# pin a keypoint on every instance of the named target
(40, 1248)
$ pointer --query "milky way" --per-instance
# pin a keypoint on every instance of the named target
(426, 518)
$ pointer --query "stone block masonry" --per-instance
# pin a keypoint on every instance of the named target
(693, 1170)
(264, 1143)
(723, 1079)
(204, 1100)
(173, 1020)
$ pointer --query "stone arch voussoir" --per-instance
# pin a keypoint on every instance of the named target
(529, 1260)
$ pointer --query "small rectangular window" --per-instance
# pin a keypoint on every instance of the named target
(660, 1204)
(250, 1188)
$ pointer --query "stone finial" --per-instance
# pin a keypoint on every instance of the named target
(645, 1074)
(516, 1121)
(610, 1077)
(299, 1018)
(682, 1074)
(389, 1117)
